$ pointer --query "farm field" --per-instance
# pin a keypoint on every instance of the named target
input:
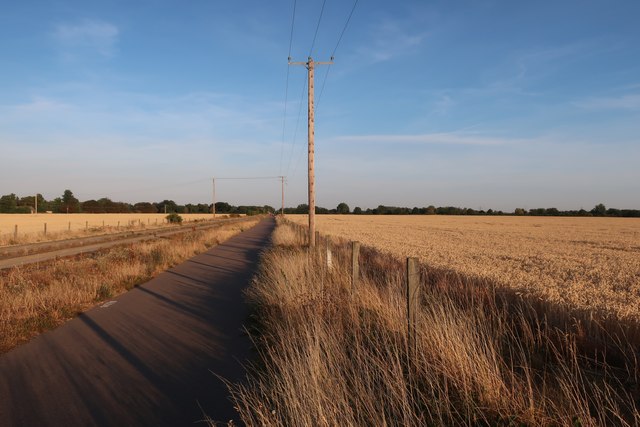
(586, 263)
(61, 226)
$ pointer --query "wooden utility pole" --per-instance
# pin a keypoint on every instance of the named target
(213, 206)
(310, 64)
(282, 191)
(36, 203)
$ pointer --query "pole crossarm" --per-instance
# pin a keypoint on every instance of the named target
(306, 64)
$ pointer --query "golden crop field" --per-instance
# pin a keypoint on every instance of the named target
(31, 226)
(591, 263)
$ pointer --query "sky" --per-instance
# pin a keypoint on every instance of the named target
(478, 103)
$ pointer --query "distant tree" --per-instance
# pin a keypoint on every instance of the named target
(599, 210)
(169, 205)
(519, 211)
(92, 206)
(357, 210)
(553, 212)
(302, 209)
(8, 203)
(343, 208)
(203, 208)
(69, 203)
(223, 207)
(145, 207)
(431, 210)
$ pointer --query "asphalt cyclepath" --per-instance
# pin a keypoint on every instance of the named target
(148, 357)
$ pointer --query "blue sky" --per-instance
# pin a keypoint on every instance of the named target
(484, 104)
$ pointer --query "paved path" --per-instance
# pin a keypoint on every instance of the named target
(146, 359)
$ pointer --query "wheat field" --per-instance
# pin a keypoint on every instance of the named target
(585, 263)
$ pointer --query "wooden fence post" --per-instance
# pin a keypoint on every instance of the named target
(15, 232)
(45, 228)
(86, 225)
(69, 226)
(118, 225)
(355, 265)
(413, 299)
(329, 255)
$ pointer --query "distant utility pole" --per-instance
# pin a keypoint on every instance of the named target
(310, 64)
(36, 203)
(282, 186)
(213, 206)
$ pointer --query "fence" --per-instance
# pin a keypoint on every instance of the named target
(325, 251)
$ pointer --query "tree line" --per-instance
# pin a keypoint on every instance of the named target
(68, 203)
(343, 208)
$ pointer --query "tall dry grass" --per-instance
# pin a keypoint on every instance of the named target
(37, 298)
(329, 357)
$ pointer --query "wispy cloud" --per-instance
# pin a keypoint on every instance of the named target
(98, 37)
(391, 39)
(434, 139)
(39, 105)
(623, 102)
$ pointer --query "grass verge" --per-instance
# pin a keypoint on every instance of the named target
(330, 355)
(40, 297)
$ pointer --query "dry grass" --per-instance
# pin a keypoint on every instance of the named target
(331, 357)
(585, 263)
(66, 226)
(37, 298)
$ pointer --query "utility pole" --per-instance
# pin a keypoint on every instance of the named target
(282, 186)
(213, 206)
(310, 64)
(36, 202)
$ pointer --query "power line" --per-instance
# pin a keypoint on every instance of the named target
(346, 24)
(293, 18)
(295, 133)
(286, 90)
(333, 53)
(249, 177)
(317, 28)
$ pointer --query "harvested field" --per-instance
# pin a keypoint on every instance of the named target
(63, 226)
(585, 263)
